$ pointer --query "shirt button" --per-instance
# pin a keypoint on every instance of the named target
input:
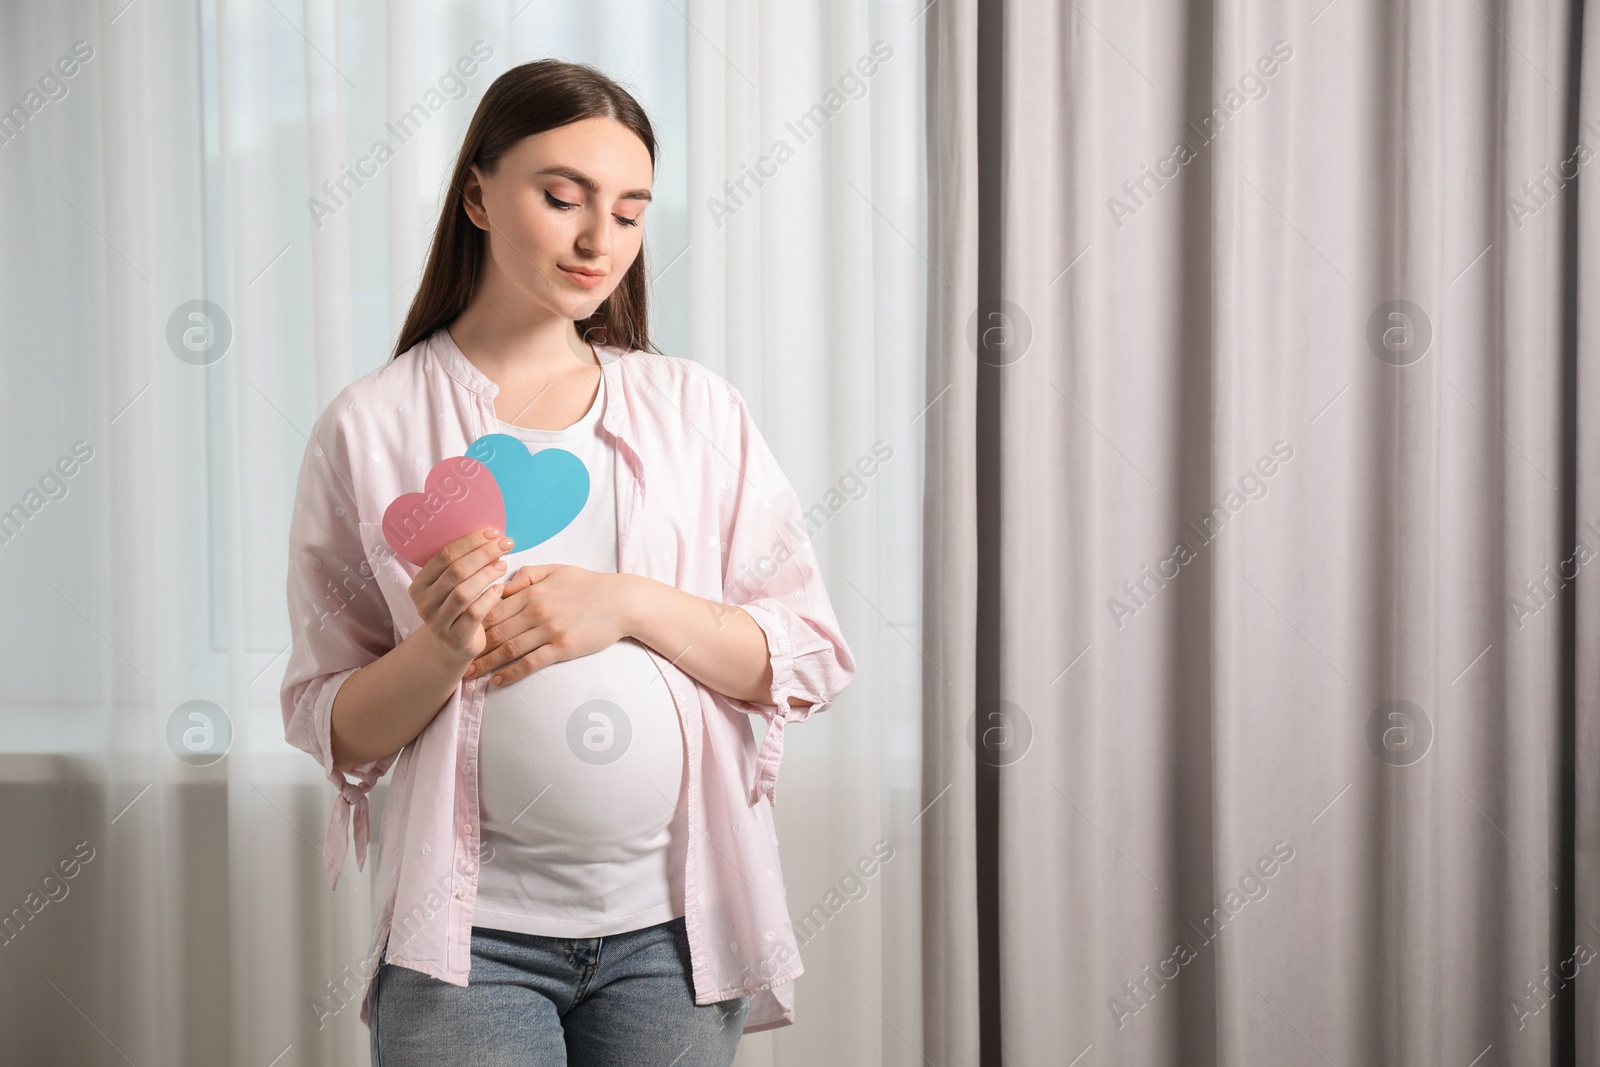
(427, 850)
(461, 894)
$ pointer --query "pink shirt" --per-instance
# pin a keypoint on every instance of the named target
(702, 505)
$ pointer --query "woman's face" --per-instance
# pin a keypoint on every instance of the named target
(564, 211)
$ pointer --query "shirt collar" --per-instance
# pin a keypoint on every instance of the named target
(459, 367)
(615, 416)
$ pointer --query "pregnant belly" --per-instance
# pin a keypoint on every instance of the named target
(582, 761)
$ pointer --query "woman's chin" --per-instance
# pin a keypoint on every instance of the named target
(584, 308)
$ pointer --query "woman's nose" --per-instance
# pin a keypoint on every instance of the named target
(595, 238)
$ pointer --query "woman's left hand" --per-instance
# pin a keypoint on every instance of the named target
(548, 613)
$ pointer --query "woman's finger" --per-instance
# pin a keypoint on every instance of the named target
(509, 649)
(523, 666)
(519, 580)
(472, 618)
(505, 608)
(465, 564)
(513, 673)
(478, 544)
(505, 620)
(471, 575)
(529, 573)
(467, 603)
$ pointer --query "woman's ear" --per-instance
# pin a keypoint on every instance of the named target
(472, 198)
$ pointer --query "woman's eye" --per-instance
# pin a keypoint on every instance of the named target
(553, 202)
(626, 221)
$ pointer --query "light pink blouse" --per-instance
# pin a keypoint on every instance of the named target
(702, 505)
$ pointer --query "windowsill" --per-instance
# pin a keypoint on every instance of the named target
(291, 767)
(75, 743)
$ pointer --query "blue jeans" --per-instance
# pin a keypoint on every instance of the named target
(533, 1001)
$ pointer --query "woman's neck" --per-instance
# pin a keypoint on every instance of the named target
(513, 340)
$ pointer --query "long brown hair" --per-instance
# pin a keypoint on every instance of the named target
(526, 100)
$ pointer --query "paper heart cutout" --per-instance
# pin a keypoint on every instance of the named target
(543, 491)
(460, 495)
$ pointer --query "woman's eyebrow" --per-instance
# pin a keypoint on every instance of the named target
(579, 178)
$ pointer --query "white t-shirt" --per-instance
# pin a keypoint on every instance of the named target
(581, 763)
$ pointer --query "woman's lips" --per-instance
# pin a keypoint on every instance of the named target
(588, 281)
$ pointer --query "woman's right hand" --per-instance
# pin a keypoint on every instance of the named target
(455, 590)
(385, 705)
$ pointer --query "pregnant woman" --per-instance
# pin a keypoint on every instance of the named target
(578, 863)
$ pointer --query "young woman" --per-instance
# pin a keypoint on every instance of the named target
(579, 863)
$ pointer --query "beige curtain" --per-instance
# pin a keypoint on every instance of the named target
(1263, 513)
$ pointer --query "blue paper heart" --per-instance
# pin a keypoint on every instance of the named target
(543, 491)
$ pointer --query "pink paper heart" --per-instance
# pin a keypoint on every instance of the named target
(460, 495)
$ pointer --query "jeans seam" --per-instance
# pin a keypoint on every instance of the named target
(589, 971)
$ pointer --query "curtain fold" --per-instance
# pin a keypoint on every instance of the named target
(1260, 636)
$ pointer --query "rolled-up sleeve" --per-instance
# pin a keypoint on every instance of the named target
(770, 570)
(339, 622)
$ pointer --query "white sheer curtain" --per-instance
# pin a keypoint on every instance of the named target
(158, 908)
(806, 224)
